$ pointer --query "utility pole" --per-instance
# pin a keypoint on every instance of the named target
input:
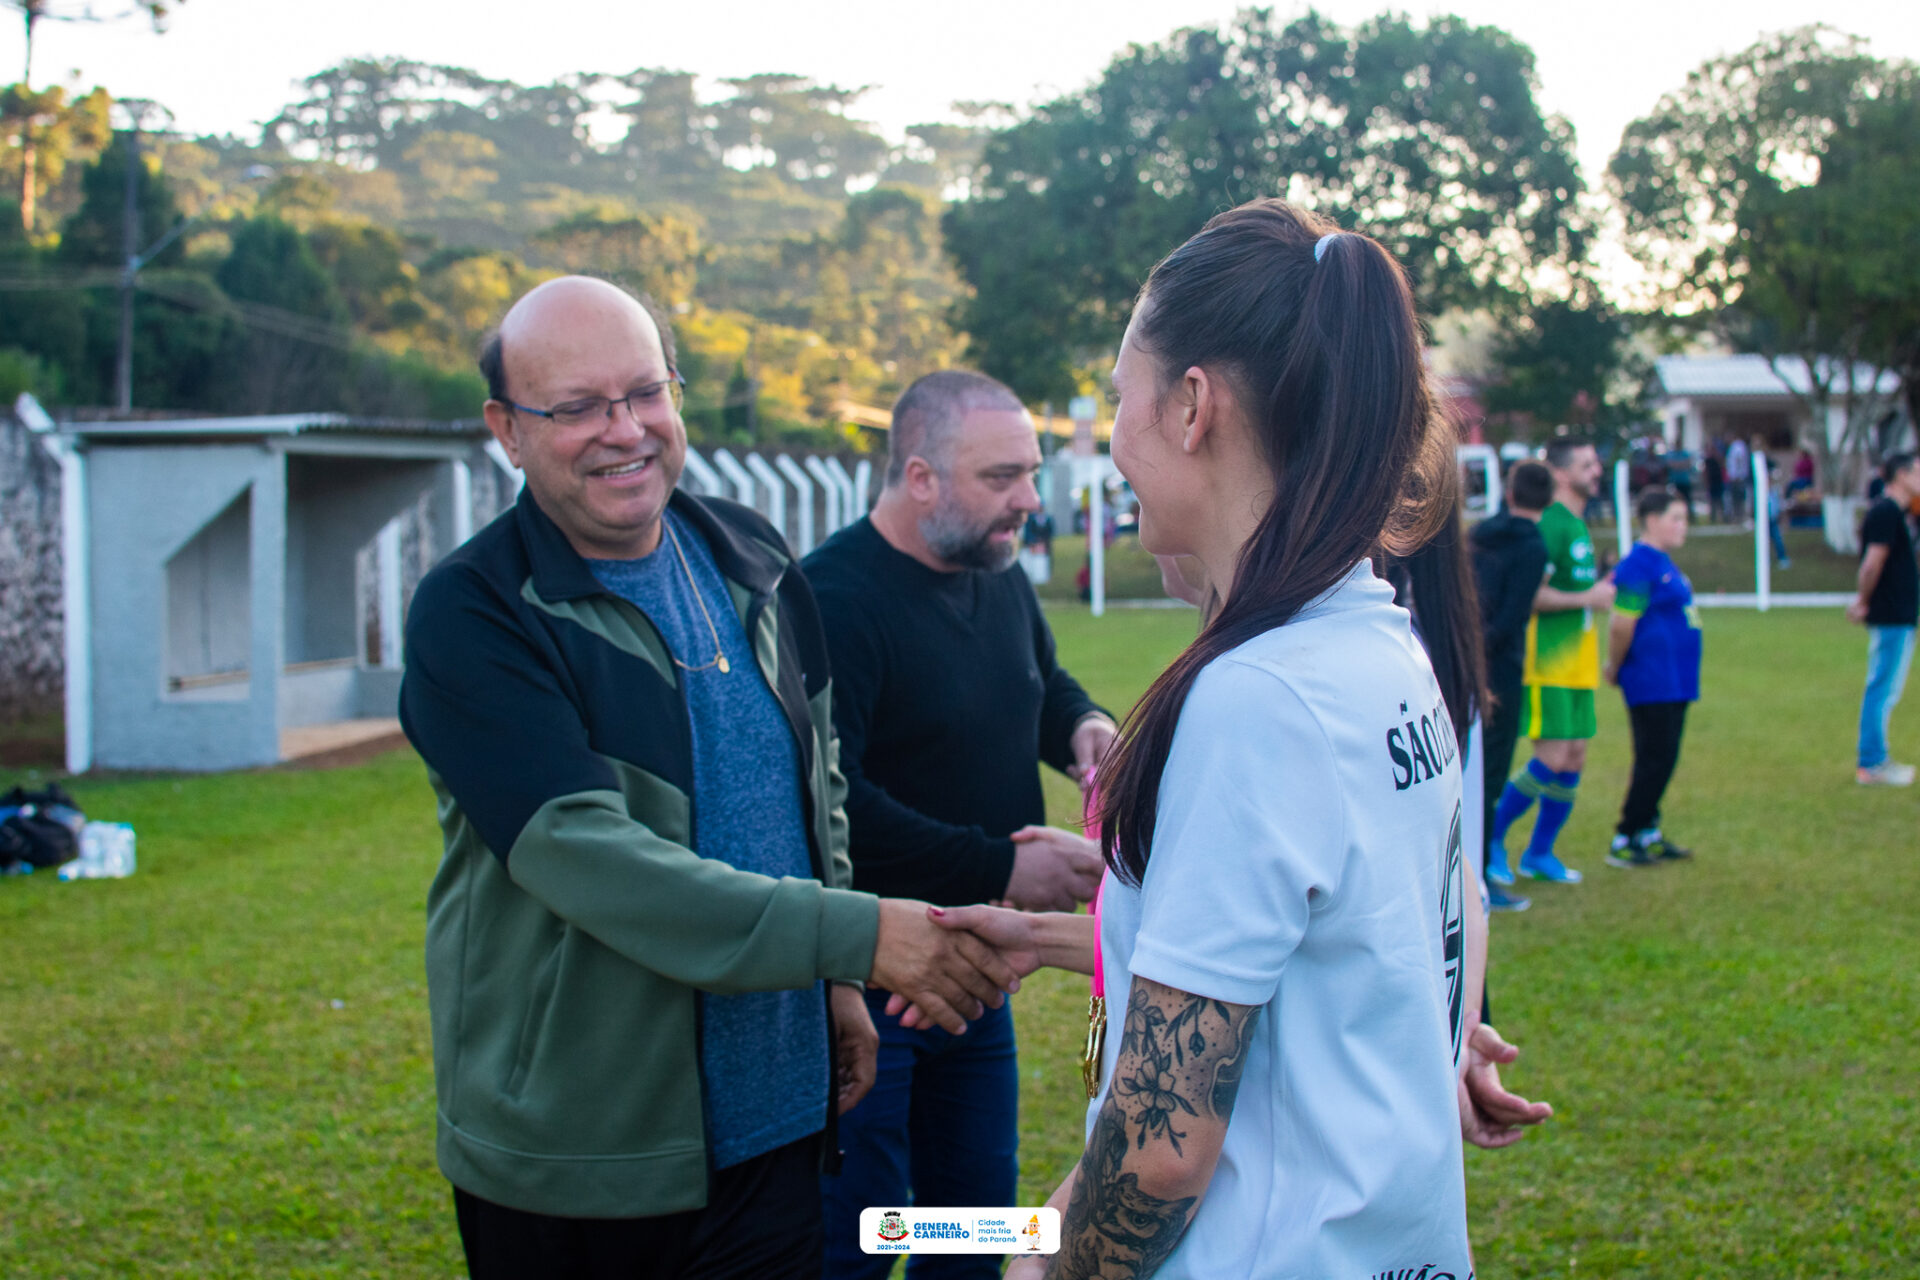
(136, 109)
(28, 151)
(753, 383)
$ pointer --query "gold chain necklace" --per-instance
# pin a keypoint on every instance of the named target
(719, 655)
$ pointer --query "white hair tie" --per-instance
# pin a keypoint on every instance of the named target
(1320, 245)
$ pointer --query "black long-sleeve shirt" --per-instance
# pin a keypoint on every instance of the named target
(946, 695)
(1509, 564)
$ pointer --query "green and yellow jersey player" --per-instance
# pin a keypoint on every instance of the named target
(1562, 672)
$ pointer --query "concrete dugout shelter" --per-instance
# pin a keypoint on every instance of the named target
(215, 612)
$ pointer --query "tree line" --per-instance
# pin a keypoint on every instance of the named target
(352, 256)
(1769, 200)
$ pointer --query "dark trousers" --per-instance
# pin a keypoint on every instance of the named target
(1500, 732)
(762, 1220)
(939, 1127)
(1499, 735)
(1657, 727)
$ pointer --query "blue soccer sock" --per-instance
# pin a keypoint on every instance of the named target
(1521, 791)
(1556, 805)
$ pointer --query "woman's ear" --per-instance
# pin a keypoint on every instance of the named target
(1201, 401)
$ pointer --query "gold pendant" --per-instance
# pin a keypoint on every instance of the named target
(1096, 1048)
(724, 668)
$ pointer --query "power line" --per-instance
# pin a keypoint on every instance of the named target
(60, 279)
(254, 315)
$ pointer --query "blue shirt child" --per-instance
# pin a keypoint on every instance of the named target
(1663, 662)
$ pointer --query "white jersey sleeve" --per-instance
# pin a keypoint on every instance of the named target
(1251, 830)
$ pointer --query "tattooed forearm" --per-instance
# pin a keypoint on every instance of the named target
(1112, 1227)
(1179, 1055)
(1165, 1117)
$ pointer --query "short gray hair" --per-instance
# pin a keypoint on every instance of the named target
(928, 413)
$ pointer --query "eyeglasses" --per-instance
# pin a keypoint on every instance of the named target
(638, 401)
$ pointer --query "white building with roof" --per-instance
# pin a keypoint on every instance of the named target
(1703, 399)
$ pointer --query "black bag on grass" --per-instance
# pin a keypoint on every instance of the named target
(40, 828)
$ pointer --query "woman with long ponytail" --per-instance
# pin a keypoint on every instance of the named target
(1284, 916)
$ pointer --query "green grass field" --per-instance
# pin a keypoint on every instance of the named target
(220, 1067)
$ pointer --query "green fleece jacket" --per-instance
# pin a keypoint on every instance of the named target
(570, 925)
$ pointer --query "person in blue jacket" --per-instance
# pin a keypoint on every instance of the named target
(1653, 655)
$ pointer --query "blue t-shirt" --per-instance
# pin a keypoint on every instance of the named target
(763, 1054)
(1663, 662)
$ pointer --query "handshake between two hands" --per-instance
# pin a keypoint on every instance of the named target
(940, 966)
(946, 966)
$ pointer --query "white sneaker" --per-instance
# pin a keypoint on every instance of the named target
(1885, 774)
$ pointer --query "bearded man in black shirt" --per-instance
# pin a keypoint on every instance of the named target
(947, 696)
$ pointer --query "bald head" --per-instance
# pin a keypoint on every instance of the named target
(554, 311)
(582, 399)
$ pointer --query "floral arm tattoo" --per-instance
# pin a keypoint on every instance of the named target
(1181, 1060)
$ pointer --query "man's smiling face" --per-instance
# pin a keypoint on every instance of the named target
(605, 481)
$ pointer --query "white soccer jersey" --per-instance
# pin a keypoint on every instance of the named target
(1307, 860)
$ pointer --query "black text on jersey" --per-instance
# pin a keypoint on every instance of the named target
(1423, 748)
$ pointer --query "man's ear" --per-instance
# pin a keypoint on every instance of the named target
(922, 481)
(505, 427)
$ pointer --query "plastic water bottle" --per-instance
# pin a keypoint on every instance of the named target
(106, 853)
(119, 859)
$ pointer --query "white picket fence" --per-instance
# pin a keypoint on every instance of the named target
(809, 497)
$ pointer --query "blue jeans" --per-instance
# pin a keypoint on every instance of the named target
(940, 1127)
(1889, 654)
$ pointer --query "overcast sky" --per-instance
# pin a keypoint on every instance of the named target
(225, 65)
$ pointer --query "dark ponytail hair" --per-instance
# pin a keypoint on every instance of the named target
(1321, 349)
(1437, 581)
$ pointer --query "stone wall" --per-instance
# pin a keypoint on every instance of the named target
(31, 664)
